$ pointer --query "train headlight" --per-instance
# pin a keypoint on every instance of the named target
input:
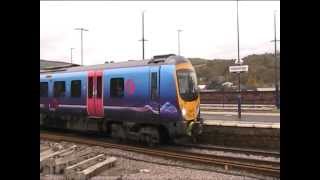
(184, 112)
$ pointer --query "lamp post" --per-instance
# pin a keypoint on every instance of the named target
(239, 73)
(275, 62)
(81, 29)
(179, 30)
(143, 40)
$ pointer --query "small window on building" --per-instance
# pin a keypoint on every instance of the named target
(43, 89)
(59, 89)
(76, 88)
(154, 86)
(116, 87)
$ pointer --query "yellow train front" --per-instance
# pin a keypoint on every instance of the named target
(148, 100)
(188, 97)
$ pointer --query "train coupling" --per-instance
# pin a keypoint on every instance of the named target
(195, 128)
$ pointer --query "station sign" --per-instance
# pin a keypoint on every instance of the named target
(242, 68)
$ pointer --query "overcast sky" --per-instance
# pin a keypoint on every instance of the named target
(209, 29)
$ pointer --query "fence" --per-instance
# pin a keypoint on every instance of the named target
(247, 97)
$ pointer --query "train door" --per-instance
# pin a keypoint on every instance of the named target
(154, 91)
(95, 94)
(99, 94)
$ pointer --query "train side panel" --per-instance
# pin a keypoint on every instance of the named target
(131, 104)
(65, 110)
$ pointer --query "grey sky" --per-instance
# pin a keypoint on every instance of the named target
(209, 29)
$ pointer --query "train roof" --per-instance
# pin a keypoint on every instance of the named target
(155, 61)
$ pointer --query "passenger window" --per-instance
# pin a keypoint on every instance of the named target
(43, 89)
(59, 89)
(116, 87)
(76, 88)
(154, 86)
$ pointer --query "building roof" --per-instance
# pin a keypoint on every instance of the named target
(53, 64)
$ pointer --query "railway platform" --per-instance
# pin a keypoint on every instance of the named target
(242, 124)
(246, 134)
(232, 117)
(243, 113)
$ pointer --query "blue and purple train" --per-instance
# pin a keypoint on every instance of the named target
(151, 101)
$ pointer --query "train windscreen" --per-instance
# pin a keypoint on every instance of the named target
(187, 82)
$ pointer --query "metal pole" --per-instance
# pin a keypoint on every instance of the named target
(239, 74)
(238, 34)
(179, 30)
(143, 40)
(82, 47)
(275, 62)
(239, 96)
(143, 35)
(81, 29)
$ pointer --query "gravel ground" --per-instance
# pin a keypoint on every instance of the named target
(132, 165)
(51, 177)
(130, 169)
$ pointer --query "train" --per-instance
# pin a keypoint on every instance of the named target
(152, 101)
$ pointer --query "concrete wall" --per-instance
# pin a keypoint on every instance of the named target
(246, 137)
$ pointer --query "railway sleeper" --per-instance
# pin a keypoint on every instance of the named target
(44, 148)
(57, 164)
(89, 167)
(45, 158)
(97, 168)
(62, 164)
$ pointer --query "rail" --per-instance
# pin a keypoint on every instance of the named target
(233, 150)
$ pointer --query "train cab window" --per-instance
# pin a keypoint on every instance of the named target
(59, 89)
(116, 87)
(76, 88)
(43, 89)
(154, 86)
(187, 82)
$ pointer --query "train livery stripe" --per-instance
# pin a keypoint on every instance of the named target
(67, 106)
(140, 109)
(145, 108)
(72, 106)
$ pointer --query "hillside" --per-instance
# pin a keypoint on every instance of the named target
(215, 72)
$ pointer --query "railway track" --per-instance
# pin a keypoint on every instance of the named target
(255, 166)
(232, 150)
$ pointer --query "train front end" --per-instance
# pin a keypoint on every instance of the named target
(188, 97)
